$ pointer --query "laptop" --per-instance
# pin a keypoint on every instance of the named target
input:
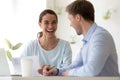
(4, 67)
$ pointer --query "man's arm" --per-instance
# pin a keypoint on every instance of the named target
(96, 56)
(77, 62)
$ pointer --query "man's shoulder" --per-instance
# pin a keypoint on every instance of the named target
(101, 30)
(102, 34)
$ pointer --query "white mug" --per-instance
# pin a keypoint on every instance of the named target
(26, 67)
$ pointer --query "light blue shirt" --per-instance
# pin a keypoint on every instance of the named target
(97, 56)
(59, 57)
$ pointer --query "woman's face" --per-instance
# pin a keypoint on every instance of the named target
(49, 25)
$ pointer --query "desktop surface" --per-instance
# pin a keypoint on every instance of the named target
(57, 78)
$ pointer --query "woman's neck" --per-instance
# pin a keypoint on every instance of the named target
(48, 43)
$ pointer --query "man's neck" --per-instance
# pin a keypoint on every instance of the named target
(86, 26)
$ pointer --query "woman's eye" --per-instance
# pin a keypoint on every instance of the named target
(46, 23)
(54, 22)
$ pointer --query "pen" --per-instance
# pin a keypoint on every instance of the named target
(52, 67)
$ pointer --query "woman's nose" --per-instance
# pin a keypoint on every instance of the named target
(50, 26)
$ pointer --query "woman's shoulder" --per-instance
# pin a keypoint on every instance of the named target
(63, 42)
(31, 42)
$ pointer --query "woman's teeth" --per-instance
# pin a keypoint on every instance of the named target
(50, 30)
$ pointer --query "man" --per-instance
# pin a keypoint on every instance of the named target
(97, 56)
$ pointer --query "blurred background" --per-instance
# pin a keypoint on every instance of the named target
(19, 20)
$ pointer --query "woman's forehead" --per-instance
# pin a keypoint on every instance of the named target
(49, 16)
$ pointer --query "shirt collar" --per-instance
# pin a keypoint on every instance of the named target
(89, 33)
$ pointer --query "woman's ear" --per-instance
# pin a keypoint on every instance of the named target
(39, 24)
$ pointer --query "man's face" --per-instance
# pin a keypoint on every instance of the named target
(75, 23)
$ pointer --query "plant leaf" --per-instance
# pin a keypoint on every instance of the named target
(18, 45)
(8, 43)
(9, 55)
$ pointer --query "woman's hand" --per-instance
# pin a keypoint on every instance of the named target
(40, 70)
(47, 70)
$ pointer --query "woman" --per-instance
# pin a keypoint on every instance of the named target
(50, 49)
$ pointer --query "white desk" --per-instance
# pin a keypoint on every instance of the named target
(59, 78)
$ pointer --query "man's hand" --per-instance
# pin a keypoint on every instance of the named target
(65, 73)
(53, 72)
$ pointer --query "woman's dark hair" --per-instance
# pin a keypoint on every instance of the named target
(39, 34)
(83, 8)
(47, 11)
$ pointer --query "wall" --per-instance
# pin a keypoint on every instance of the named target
(18, 19)
(112, 24)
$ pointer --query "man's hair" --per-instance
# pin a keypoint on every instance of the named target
(83, 8)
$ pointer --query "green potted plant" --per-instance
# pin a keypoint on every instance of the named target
(11, 48)
(107, 15)
(73, 41)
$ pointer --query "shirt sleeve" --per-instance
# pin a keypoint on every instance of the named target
(67, 57)
(26, 49)
(98, 52)
(76, 62)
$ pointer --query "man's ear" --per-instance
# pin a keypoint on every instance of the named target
(78, 17)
